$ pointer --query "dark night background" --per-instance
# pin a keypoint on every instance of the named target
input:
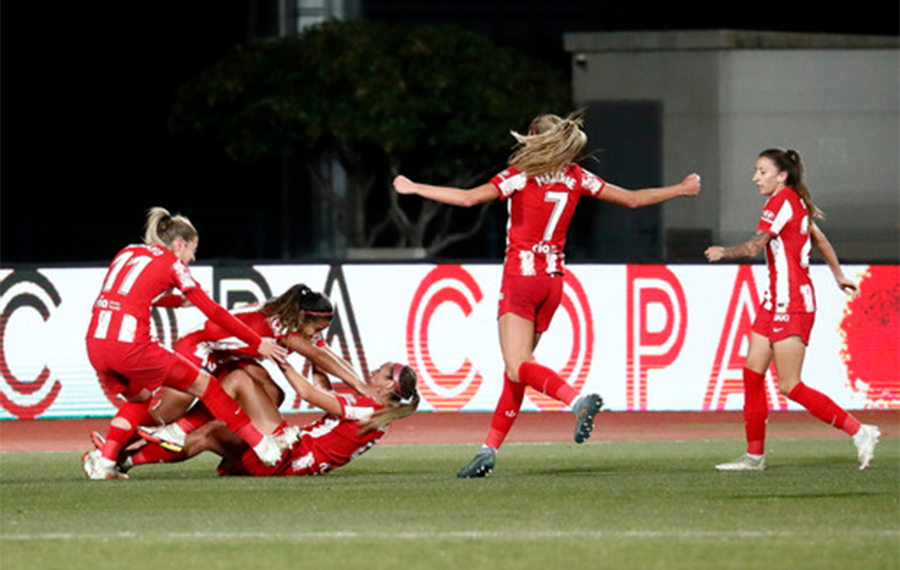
(88, 87)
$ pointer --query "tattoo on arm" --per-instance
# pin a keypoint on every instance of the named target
(749, 248)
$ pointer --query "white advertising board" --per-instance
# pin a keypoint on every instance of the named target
(645, 337)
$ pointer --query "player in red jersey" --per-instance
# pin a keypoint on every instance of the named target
(542, 185)
(783, 324)
(296, 318)
(350, 427)
(131, 364)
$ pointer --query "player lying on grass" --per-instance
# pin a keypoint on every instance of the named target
(351, 425)
(296, 318)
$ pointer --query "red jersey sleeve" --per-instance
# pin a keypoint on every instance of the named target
(182, 277)
(776, 213)
(217, 313)
(169, 301)
(591, 184)
(357, 407)
(509, 182)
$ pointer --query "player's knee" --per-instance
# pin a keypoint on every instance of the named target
(237, 382)
(512, 371)
(786, 385)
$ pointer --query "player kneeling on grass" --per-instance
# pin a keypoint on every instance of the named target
(352, 425)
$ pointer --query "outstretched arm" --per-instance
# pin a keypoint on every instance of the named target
(690, 186)
(447, 194)
(831, 259)
(326, 361)
(316, 396)
(265, 347)
(746, 250)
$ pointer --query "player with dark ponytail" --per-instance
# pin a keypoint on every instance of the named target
(787, 232)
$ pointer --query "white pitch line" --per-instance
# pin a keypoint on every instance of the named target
(451, 535)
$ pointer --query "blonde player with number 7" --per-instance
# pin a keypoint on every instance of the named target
(543, 185)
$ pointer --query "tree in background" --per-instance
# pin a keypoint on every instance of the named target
(438, 102)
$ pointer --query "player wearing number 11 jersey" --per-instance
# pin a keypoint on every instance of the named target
(130, 364)
(542, 185)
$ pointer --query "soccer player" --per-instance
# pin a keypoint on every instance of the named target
(351, 425)
(131, 364)
(296, 318)
(543, 185)
(783, 324)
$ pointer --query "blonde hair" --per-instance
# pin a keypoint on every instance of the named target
(402, 402)
(551, 144)
(162, 228)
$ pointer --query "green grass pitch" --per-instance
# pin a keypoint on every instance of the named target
(631, 505)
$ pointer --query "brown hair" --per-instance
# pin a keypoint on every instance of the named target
(403, 401)
(162, 228)
(552, 143)
(788, 161)
(298, 306)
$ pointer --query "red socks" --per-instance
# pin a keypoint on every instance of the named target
(539, 377)
(756, 411)
(194, 418)
(117, 437)
(824, 408)
(224, 408)
(546, 381)
(506, 412)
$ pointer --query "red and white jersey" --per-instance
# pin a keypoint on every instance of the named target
(137, 276)
(333, 441)
(540, 210)
(212, 344)
(786, 219)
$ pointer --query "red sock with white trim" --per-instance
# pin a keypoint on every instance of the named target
(224, 408)
(547, 382)
(756, 411)
(824, 408)
(506, 412)
(134, 414)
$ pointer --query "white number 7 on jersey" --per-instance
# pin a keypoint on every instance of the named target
(559, 200)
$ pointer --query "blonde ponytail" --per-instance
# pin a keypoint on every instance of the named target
(550, 145)
(162, 228)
